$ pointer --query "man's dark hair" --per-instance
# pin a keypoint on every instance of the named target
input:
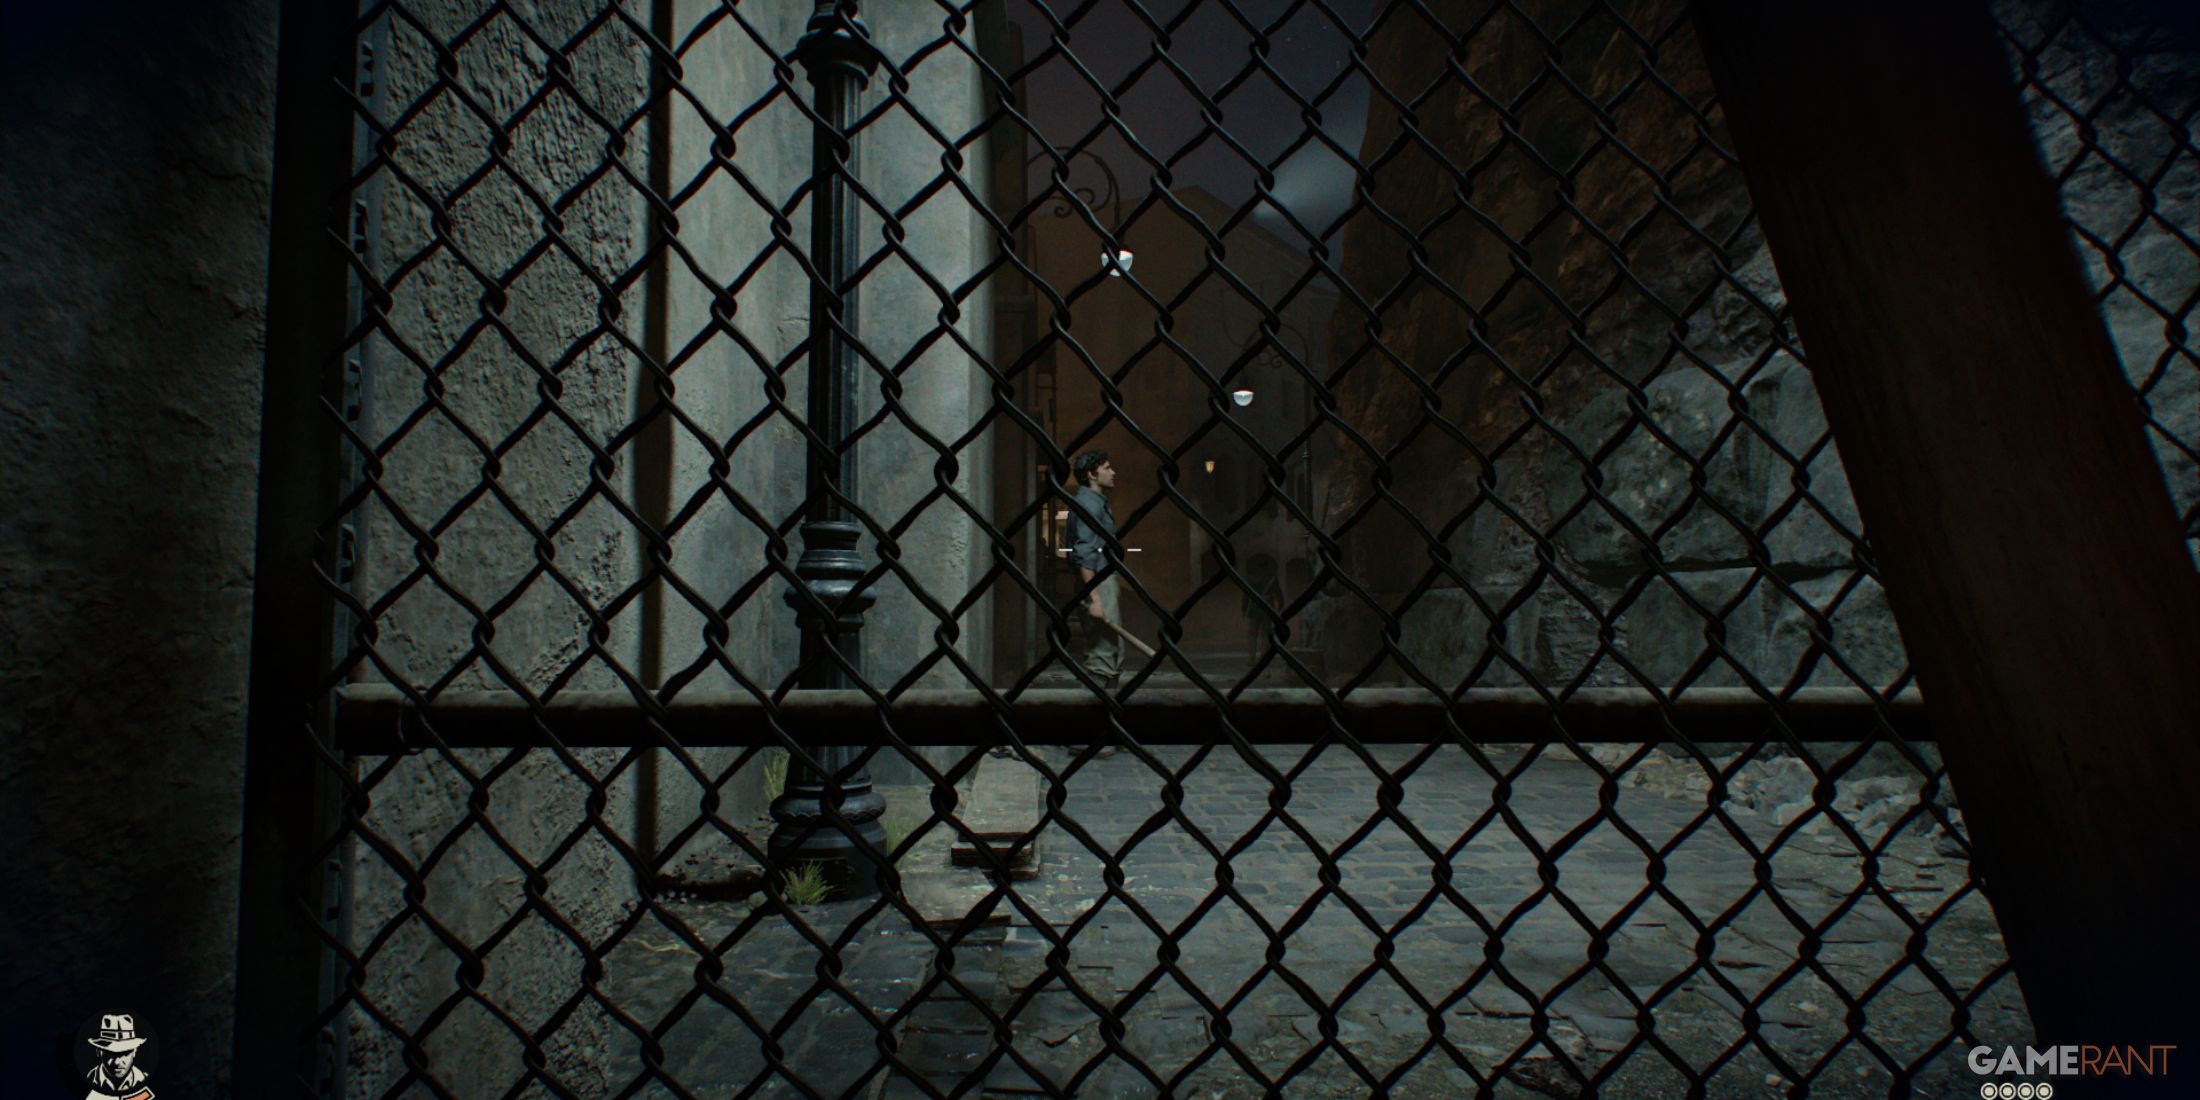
(1086, 463)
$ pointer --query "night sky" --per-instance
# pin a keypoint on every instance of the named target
(1110, 39)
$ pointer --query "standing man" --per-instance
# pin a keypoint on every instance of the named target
(1092, 533)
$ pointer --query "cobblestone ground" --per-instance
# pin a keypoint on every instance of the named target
(1337, 961)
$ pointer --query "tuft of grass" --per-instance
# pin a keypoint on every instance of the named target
(775, 774)
(897, 830)
(806, 885)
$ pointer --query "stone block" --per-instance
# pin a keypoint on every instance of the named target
(1820, 529)
(1443, 634)
(1649, 477)
(1852, 615)
(1668, 627)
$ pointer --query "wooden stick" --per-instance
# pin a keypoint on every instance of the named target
(1129, 637)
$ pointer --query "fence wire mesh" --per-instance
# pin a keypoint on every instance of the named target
(1435, 352)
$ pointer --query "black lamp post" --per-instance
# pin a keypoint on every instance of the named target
(824, 809)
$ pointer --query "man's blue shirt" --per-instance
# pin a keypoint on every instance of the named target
(1088, 544)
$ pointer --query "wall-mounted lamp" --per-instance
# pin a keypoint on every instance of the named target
(1242, 397)
(1117, 264)
(1210, 465)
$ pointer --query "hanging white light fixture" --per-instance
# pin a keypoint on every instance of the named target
(1117, 264)
(1243, 397)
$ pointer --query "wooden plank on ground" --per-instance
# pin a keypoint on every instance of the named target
(945, 897)
(1001, 811)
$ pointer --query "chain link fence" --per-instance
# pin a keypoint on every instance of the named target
(1523, 715)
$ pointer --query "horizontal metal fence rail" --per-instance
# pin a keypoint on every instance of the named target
(378, 719)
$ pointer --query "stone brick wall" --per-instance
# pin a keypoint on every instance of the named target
(2108, 130)
(1659, 515)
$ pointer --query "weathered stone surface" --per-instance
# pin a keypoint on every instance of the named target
(737, 465)
(2112, 133)
(1092, 937)
(1856, 623)
(135, 161)
(1701, 434)
(737, 340)
(548, 389)
(1686, 467)
(1673, 482)
(929, 391)
(1668, 626)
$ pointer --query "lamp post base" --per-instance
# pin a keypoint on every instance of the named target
(803, 834)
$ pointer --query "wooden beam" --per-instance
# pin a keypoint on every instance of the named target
(2030, 551)
(375, 718)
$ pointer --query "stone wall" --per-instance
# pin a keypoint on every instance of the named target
(2111, 133)
(736, 476)
(1652, 422)
(506, 416)
(920, 325)
(135, 156)
(738, 335)
(492, 550)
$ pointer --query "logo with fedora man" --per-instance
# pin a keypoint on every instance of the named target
(118, 1061)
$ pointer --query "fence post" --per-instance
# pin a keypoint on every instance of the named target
(822, 810)
(291, 903)
(2030, 551)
